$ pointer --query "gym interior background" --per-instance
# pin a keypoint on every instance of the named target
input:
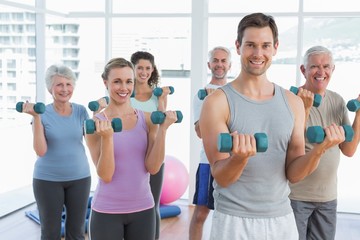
(85, 34)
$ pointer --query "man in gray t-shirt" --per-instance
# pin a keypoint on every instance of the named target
(314, 199)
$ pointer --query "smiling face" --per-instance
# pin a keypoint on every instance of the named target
(219, 64)
(143, 70)
(318, 72)
(256, 50)
(120, 83)
(62, 89)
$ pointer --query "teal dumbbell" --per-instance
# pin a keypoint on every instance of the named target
(202, 93)
(94, 105)
(317, 97)
(353, 105)
(224, 143)
(38, 107)
(158, 117)
(158, 91)
(89, 125)
(316, 134)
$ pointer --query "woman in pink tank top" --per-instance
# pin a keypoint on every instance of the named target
(124, 153)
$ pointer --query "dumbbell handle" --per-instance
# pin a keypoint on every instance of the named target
(316, 134)
(38, 107)
(317, 97)
(158, 117)
(89, 125)
(224, 143)
(353, 105)
(158, 91)
(94, 105)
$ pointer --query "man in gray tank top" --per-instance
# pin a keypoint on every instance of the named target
(314, 199)
(251, 188)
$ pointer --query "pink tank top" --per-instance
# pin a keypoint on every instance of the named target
(129, 191)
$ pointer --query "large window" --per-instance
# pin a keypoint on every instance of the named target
(17, 81)
(168, 39)
(283, 69)
(338, 35)
(233, 6)
(85, 34)
(152, 7)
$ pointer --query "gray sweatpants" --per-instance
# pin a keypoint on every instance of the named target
(315, 220)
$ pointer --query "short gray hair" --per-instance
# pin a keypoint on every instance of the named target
(58, 70)
(317, 50)
(212, 51)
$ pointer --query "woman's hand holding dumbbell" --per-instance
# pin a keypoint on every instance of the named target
(30, 108)
(103, 127)
(166, 118)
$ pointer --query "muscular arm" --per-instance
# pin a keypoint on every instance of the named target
(101, 149)
(197, 108)
(308, 98)
(162, 105)
(156, 148)
(298, 164)
(349, 148)
(39, 140)
(214, 116)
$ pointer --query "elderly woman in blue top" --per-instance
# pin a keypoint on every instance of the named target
(61, 173)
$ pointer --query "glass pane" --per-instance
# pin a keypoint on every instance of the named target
(339, 36)
(331, 6)
(283, 69)
(91, 57)
(234, 6)
(72, 42)
(154, 6)
(169, 40)
(66, 6)
(26, 2)
(17, 84)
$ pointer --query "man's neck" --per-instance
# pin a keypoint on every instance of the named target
(218, 82)
(258, 88)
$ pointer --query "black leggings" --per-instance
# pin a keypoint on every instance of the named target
(156, 182)
(127, 226)
(51, 198)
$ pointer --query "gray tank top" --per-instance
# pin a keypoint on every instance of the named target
(262, 190)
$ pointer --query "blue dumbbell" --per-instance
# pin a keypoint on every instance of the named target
(89, 125)
(94, 105)
(38, 107)
(158, 91)
(202, 93)
(316, 134)
(224, 143)
(353, 105)
(317, 97)
(158, 117)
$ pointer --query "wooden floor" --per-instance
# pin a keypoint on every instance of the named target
(16, 226)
